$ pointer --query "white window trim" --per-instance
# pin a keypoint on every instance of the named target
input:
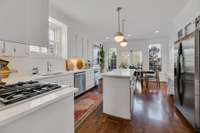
(64, 39)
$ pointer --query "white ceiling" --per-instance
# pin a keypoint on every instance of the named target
(143, 17)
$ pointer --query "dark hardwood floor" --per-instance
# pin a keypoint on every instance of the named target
(154, 112)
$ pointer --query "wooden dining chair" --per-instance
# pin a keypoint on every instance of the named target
(152, 77)
(140, 78)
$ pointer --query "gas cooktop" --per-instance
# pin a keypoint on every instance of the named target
(23, 90)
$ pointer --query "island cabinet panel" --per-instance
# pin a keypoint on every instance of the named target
(117, 90)
(24, 21)
(57, 117)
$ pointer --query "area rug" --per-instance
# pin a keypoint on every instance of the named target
(85, 105)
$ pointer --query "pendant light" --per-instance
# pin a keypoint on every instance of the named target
(119, 36)
(124, 42)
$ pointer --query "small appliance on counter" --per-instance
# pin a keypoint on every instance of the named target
(75, 64)
(4, 70)
(13, 93)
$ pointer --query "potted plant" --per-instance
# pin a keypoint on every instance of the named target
(102, 58)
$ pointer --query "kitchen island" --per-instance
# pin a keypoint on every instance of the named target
(117, 93)
(47, 113)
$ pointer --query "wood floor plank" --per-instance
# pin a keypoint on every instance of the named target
(154, 112)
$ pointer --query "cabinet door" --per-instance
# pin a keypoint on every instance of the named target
(90, 51)
(71, 44)
(85, 52)
(74, 46)
(79, 47)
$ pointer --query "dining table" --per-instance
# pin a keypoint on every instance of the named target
(140, 75)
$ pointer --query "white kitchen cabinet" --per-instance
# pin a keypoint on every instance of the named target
(79, 47)
(85, 52)
(90, 51)
(67, 80)
(90, 80)
(72, 44)
(24, 21)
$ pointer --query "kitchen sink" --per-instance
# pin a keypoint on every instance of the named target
(51, 74)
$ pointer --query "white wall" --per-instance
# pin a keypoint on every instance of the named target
(24, 64)
(24, 21)
(142, 45)
(187, 14)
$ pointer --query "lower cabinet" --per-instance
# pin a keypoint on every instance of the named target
(67, 80)
(90, 82)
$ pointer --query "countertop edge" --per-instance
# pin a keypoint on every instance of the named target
(115, 76)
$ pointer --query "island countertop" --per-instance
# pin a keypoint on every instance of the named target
(120, 73)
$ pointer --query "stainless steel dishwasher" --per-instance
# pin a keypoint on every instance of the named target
(80, 82)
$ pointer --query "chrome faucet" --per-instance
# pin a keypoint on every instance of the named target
(49, 66)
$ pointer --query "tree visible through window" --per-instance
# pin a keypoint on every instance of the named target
(112, 58)
(155, 57)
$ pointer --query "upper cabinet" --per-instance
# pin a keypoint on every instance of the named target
(79, 47)
(24, 21)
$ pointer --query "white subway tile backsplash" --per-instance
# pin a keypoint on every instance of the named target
(25, 64)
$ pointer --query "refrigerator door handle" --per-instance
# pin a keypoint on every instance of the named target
(180, 62)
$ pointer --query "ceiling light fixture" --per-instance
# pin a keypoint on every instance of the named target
(119, 36)
(124, 42)
(157, 31)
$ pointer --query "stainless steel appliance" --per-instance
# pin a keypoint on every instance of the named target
(10, 94)
(80, 83)
(186, 78)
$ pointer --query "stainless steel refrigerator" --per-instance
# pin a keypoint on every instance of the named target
(186, 78)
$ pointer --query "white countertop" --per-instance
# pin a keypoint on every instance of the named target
(120, 73)
(12, 112)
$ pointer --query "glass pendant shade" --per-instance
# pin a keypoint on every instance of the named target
(123, 43)
(119, 37)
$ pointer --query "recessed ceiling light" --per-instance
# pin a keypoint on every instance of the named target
(107, 38)
(157, 31)
(129, 35)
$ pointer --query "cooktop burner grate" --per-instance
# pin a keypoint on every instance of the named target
(16, 92)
